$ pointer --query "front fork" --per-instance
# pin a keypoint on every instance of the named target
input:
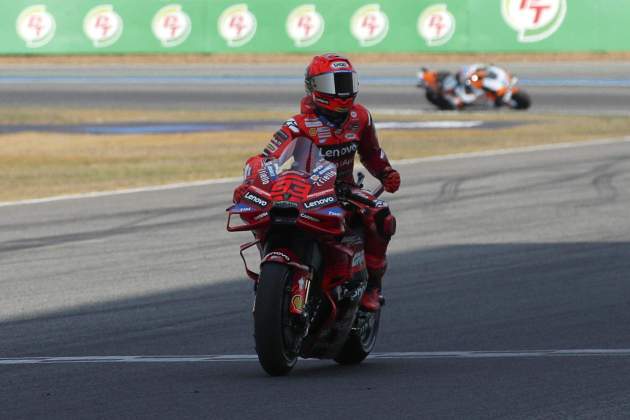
(301, 279)
(300, 288)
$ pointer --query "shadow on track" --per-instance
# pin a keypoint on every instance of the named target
(460, 297)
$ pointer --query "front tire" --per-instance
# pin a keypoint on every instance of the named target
(439, 101)
(272, 330)
(521, 100)
(361, 339)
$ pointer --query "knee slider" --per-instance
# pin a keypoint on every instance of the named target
(385, 223)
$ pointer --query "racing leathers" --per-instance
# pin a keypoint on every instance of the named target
(307, 137)
(472, 81)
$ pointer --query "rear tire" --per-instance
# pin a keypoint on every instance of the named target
(521, 100)
(272, 330)
(361, 340)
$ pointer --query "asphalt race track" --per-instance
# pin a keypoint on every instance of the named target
(508, 253)
(581, 88)
(507, 294)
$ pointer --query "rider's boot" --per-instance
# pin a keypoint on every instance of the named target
(373, 299)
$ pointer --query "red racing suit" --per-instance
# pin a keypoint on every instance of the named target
(307, 136)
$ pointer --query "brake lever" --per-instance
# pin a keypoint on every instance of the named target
(378, 191)
(360, 178)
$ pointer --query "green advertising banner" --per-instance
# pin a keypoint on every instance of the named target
(271, 26)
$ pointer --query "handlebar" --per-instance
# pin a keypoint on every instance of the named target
(378, 191)
(345, 191)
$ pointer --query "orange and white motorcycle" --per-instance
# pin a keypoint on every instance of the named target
(476, 85)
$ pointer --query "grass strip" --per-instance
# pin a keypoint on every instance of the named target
(36, 165)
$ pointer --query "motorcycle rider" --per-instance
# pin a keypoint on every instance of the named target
(331, 125)
(472, 81)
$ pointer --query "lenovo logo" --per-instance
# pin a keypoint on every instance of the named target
(255, 199)
(340, 151)
(320, 202)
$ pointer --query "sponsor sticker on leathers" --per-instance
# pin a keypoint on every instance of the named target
(281, 134)
(339, 151)
(323, 133)
(292, 125)
(312, 122)
(274, 144)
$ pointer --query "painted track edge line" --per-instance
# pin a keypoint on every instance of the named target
(96, 194)
(455, 156)
(506, 354)
(515, 150)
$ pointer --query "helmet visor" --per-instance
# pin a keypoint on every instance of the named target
(341, 83)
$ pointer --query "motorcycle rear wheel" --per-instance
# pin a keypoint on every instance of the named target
(438, 100)
(361, 339)
(272, 328)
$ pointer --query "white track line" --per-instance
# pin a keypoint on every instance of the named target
(517, 150)
(123, 191)
(510, 354)
(473, 155)
(392, 125)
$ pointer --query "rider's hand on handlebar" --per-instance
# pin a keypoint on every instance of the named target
(391, 180)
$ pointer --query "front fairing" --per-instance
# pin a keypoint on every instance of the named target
(306, 200)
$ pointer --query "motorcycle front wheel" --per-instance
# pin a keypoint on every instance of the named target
(273, 333)
(521, 100)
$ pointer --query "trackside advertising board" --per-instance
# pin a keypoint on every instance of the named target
(272, 26)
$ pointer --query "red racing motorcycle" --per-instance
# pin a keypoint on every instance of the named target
(312, 271)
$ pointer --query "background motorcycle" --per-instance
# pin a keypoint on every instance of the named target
(312, 270)
(501, 92)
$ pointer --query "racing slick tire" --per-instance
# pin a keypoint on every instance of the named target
(361, 340)
(272, 334)
(521, 100)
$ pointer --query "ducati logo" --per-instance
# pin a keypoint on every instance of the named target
(369, 25)
(103, 26)
(534, 20)
(237, 25)
(36, 26)
(305, 26)
(171, 25)
(436, 25)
